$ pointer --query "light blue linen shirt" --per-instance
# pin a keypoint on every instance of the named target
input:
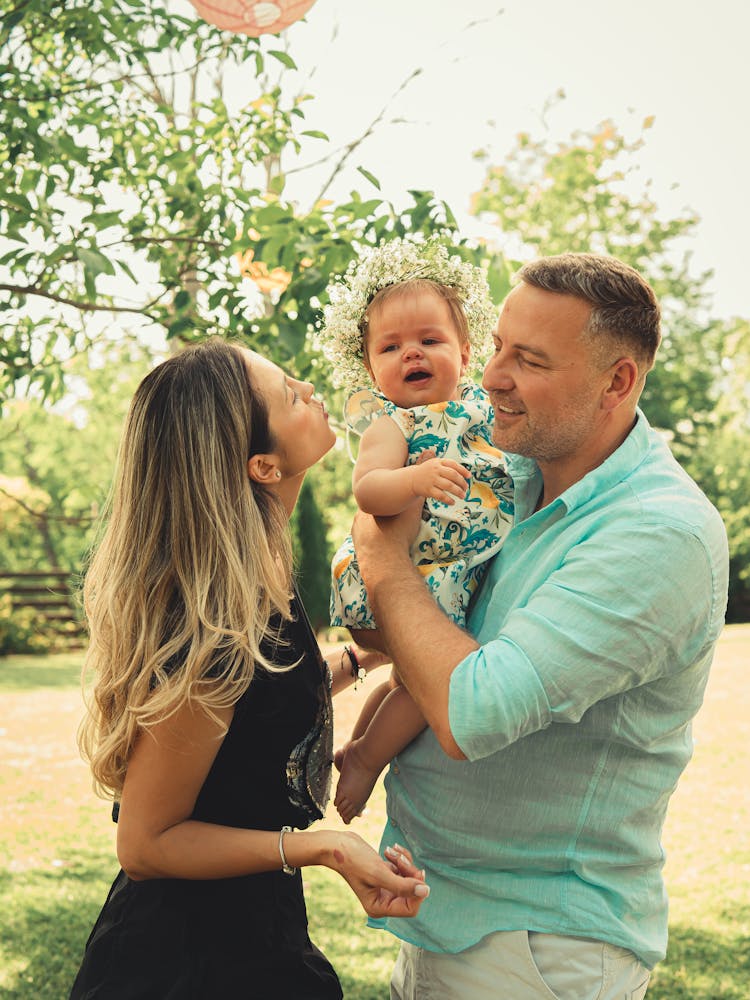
(597, 623)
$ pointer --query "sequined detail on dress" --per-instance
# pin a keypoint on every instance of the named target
(308, 770)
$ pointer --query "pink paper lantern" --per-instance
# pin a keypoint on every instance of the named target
(252, 17)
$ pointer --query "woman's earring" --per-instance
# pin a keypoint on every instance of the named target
(278, 474)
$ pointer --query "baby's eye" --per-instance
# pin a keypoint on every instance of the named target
(388, 348)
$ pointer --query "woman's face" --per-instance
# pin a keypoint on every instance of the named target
(298, 421)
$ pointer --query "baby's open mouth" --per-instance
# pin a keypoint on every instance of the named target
(417, 376)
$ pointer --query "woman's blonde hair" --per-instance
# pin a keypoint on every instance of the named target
(194, 560)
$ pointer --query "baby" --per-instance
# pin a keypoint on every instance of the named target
(405, 320)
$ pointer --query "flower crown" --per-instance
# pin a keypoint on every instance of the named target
(392, 263)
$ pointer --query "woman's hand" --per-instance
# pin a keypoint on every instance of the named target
(393, 888)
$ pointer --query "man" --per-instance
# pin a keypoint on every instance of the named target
(560, 721)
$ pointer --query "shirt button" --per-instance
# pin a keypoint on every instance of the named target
(396, 769)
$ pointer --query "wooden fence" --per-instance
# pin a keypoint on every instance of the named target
(48, 595)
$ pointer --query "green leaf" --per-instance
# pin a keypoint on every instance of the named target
(103, 220)
(315, 134)
(89, 283)
(125, 268)
(283, 57)
(95, 262)
(370, 177)
(180, 326)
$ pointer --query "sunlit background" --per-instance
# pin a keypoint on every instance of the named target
(490, 71)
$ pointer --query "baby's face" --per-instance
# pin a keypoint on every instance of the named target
(414, 352)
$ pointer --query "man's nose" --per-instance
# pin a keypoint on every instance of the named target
(497, 374)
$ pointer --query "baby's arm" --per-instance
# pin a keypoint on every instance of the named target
(384, 486)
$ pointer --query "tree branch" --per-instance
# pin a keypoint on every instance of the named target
(45, 515)
(350, 147)
(81, 306)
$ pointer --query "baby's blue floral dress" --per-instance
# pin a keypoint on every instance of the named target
(455, 540)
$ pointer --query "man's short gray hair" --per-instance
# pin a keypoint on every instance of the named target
(624, 308)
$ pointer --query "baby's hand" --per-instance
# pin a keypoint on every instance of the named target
(439, 478)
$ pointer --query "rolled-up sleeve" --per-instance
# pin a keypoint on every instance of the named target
(496, 697)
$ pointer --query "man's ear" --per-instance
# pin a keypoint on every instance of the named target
(623, 379)
(264, 469)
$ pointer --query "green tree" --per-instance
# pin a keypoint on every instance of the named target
(132, 190)
(581, 194)
(57, 461)
(313, 557)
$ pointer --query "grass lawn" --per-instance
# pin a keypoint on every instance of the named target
(57, 845)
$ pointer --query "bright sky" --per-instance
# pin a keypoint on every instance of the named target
(685, 63)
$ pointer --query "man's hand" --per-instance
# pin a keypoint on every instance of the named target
(373, 537)
(379, 541)
(439, 478)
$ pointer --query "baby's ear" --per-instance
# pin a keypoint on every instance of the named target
(465, 354)
(372, 377)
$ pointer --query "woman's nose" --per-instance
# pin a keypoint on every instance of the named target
(306, 390)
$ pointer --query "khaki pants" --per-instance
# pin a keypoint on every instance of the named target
(521, 965)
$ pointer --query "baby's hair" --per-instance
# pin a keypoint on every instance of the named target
(413, 286)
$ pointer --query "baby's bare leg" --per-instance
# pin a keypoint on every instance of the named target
(370, 707)
(394, 725)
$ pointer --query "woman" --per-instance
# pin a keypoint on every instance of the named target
(211, 722)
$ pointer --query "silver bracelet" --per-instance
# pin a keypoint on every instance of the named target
(287, 869)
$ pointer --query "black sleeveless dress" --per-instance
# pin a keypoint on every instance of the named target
(180, 939)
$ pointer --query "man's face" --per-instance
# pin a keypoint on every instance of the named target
(543, 382)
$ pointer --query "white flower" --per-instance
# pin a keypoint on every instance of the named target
(390, 263)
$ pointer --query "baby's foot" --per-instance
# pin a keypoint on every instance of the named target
(338, 757)
(355, 784)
